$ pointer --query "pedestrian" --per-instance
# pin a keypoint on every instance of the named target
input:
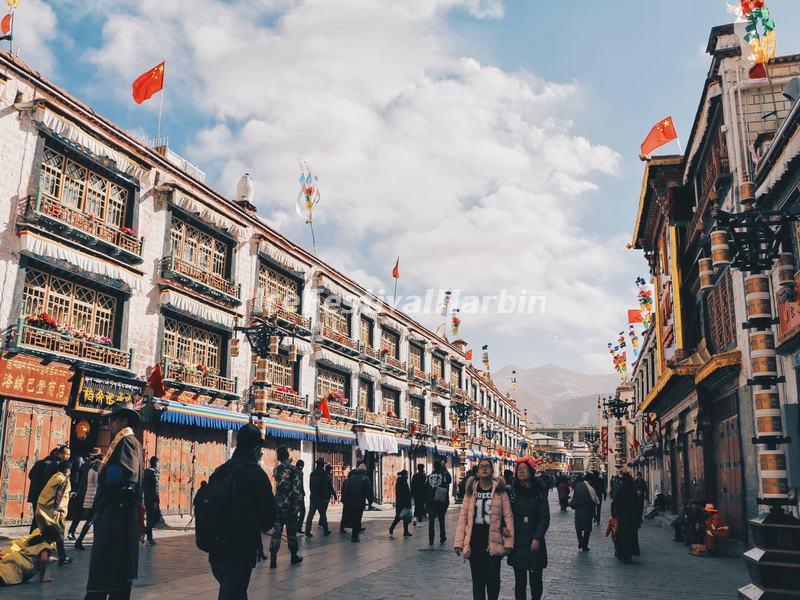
(508, 476)
(288, 498)
(584, 500)
(531, 520)
(241, 483)
(52, 507)
(78, 485)
(625, 509)
(438, 500)
(402, 506)
(151, 485)
(717, 529)
(89, 493)
(114, 563)
(301, 515)
(419, 491)
(485, 531)
(357, 492)
(28, 556)
(641, 494)
(615, 481)
(563, 492)
(40, 473)
(320, 486)
(600, 489)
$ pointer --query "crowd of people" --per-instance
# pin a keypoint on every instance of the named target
(501, 516)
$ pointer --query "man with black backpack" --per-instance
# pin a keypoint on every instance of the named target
(232, 511)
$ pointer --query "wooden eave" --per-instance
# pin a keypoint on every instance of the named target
(648, 214)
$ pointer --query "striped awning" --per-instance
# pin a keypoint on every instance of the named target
(286, 429)
(198, 415)
(331, 435)
(445, 450)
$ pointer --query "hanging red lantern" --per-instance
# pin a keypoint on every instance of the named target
(82, 429)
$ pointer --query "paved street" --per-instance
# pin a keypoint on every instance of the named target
(379, 568)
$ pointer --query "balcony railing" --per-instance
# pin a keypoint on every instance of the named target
(174, 265)
(440, 383)
(422, 428)
(262, 308)
(443, 433)
(288, 399)
(458, 393)
(189, 376)
(393, 363)
(84, 225)
(419, 375)
(340, 339)
(67, 346)
(394, 422)
(342, 412)
(370, 418)
(369, 352)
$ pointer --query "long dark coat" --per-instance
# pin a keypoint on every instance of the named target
(584, 507)
(531, 521)
(115, 552)
(625, 508)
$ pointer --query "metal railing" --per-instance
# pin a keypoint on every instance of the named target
(340, 338)
(278, 397)
(262, 308)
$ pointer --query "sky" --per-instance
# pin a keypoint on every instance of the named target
(491, 144)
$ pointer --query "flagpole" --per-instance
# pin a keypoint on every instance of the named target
(678, 140)
(11, 33)
(160, 108)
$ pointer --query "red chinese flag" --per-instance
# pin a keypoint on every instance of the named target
(323, 408)
(635, 316)
(396, 270)
(749, 6)
(469, 355)
(662, 133)
(148, 83)
(156, 381)
(5, 24)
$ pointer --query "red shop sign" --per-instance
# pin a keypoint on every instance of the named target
(33, 379)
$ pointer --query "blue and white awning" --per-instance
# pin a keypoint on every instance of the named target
(288, 430)
(198, 415)
(332, 435)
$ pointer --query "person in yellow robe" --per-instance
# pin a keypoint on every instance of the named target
(27, 556)
(51, 508)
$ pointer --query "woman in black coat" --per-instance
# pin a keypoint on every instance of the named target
(531, 520)
(402, 502)
(625, 508)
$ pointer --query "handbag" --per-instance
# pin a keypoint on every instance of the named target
(441, 495)
(406, 515)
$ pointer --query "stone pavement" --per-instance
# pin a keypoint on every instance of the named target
(380, 567)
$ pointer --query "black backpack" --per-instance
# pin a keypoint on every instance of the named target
(216, 511)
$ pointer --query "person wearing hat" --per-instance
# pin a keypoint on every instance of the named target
(320, 487)
(88, 492)
(531, 521)
(717, 528)
(114, 562)
(256, 514)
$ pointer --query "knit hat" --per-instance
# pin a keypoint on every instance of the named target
(710, 508)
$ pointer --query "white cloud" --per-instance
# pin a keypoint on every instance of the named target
(472, 174)
(35, 29)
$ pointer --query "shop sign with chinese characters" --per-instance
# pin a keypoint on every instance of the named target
(99, 395)
(34, 379)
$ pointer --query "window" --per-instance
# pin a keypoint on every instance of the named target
(329, 381)
(192, 345)
(73, 185)
(437, 366)
(197, 248)
(334, 316)
(276, 287)
(416, 357)
(455, 376)
(276, 370)
(720, 312)
(417, 409)
(365, 332)
(390, 341)
(365, 393)
(391, 401)
(438, 416)
(71, 305)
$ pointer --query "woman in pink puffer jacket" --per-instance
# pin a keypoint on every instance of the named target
(485, 532)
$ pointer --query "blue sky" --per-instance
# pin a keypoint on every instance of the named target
(491, 144)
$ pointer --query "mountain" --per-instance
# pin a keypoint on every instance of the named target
(554, 394)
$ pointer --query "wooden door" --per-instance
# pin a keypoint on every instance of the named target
(341, 461)
(30, 432)
(728, 463)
